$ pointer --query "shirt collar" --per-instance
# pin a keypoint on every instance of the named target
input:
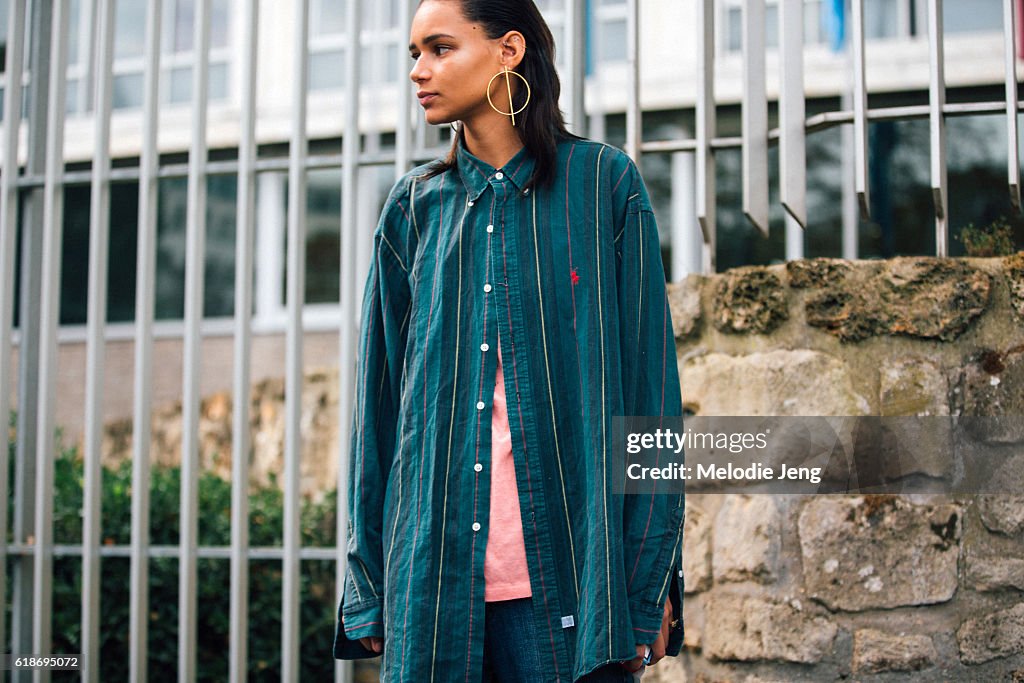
(476, 174)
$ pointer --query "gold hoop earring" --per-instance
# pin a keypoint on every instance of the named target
(508, 83)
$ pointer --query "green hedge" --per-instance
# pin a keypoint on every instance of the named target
(317, 610)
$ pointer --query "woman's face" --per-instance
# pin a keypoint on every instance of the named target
(454, 60)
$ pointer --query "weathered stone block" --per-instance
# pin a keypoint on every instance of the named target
(749, 629)
(876, 651)
(991, 385)
(800, 382)
(878, 551)
(994, 635)
(749, 300)
(747, 531)
(696, 549)
(927, 298)
(912, 386)
(1002, 513)
(816, 272)
(995, 573)
(1014, 268)
(684, 304)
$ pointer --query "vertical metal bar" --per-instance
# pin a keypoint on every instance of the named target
(576, 67)
(195, 263)
(99, 234)
(403, 133)
(634, 125)
(244, 245)
(1012, 129)
(347, 342)
(706, 130)
(296, 291)
(937, 123)
(8, 242)
(25, 488)
(792, 135)
(49, 317)
(755, 117)
(145, 294)
(860, 113)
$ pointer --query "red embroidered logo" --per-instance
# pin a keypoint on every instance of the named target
(574, 276)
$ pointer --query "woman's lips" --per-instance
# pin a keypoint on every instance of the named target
(426, 98)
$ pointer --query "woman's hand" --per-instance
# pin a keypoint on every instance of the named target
(657, 647)
(372, 643)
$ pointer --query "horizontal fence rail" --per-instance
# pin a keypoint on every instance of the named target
(31, 196)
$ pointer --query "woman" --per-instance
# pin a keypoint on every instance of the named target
(515, 303)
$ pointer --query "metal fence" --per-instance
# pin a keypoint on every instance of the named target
(33, 199)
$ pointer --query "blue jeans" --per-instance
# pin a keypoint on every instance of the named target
(512, 654)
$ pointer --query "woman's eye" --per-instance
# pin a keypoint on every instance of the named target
(441, 49)
(414, 55)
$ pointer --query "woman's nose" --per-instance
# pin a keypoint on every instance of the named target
(418, 73)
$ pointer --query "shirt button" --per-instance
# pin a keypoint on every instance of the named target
(476, 526)
(487, 287)
(490, 228)
(470, 202)
(479, 405)
(484, 346)
(478, 467)
(526, 191)
(499, 175)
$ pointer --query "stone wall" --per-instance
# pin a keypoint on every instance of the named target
(866, 587)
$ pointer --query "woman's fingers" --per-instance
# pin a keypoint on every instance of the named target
(635, 663)
(373, 644)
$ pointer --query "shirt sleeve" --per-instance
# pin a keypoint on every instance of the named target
(652, 522)
(382, 337)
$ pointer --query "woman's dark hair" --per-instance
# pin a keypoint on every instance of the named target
(540, 125)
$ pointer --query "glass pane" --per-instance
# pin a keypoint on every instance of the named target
(127, 91)
(963, 16)
(323, 236)
(328, 16)
(218, 81)
(881, 18)
(130, 28)
(71, 96)
(771, 26)
(812, 23)
(613, 40)
(181, 25)
(734, 28)
(74, 29)
(326, 70)
(181, 84)
(220, 14)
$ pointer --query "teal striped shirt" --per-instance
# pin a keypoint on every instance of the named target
(571, 277)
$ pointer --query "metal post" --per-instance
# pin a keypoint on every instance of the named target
(937, 124)
(49, 316)
(241, 441)
(792, 142)
(144, 304)
(706, 130)
(860, 113)
(755, 117)
(347, 342)
(576, 67)
(1012, 129)
(195, 263)
(634, 125)
(296, 291)
(8, 242)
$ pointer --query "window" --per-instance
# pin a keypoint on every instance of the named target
(380, 43)
(177, 55)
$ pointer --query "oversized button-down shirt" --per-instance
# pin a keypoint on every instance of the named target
(572, 277)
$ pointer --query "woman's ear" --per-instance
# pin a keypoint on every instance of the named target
(513, 48)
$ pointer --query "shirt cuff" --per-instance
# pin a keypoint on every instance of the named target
(354, 622)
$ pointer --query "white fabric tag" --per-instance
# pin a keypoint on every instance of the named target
(568, 621)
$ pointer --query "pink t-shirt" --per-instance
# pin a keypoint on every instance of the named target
(505, 573)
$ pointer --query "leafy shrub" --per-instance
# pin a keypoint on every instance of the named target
(994, 239)
(317, 606)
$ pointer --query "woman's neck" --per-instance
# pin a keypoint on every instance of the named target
(492, 141)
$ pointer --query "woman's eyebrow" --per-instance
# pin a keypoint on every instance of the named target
(430, 39)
